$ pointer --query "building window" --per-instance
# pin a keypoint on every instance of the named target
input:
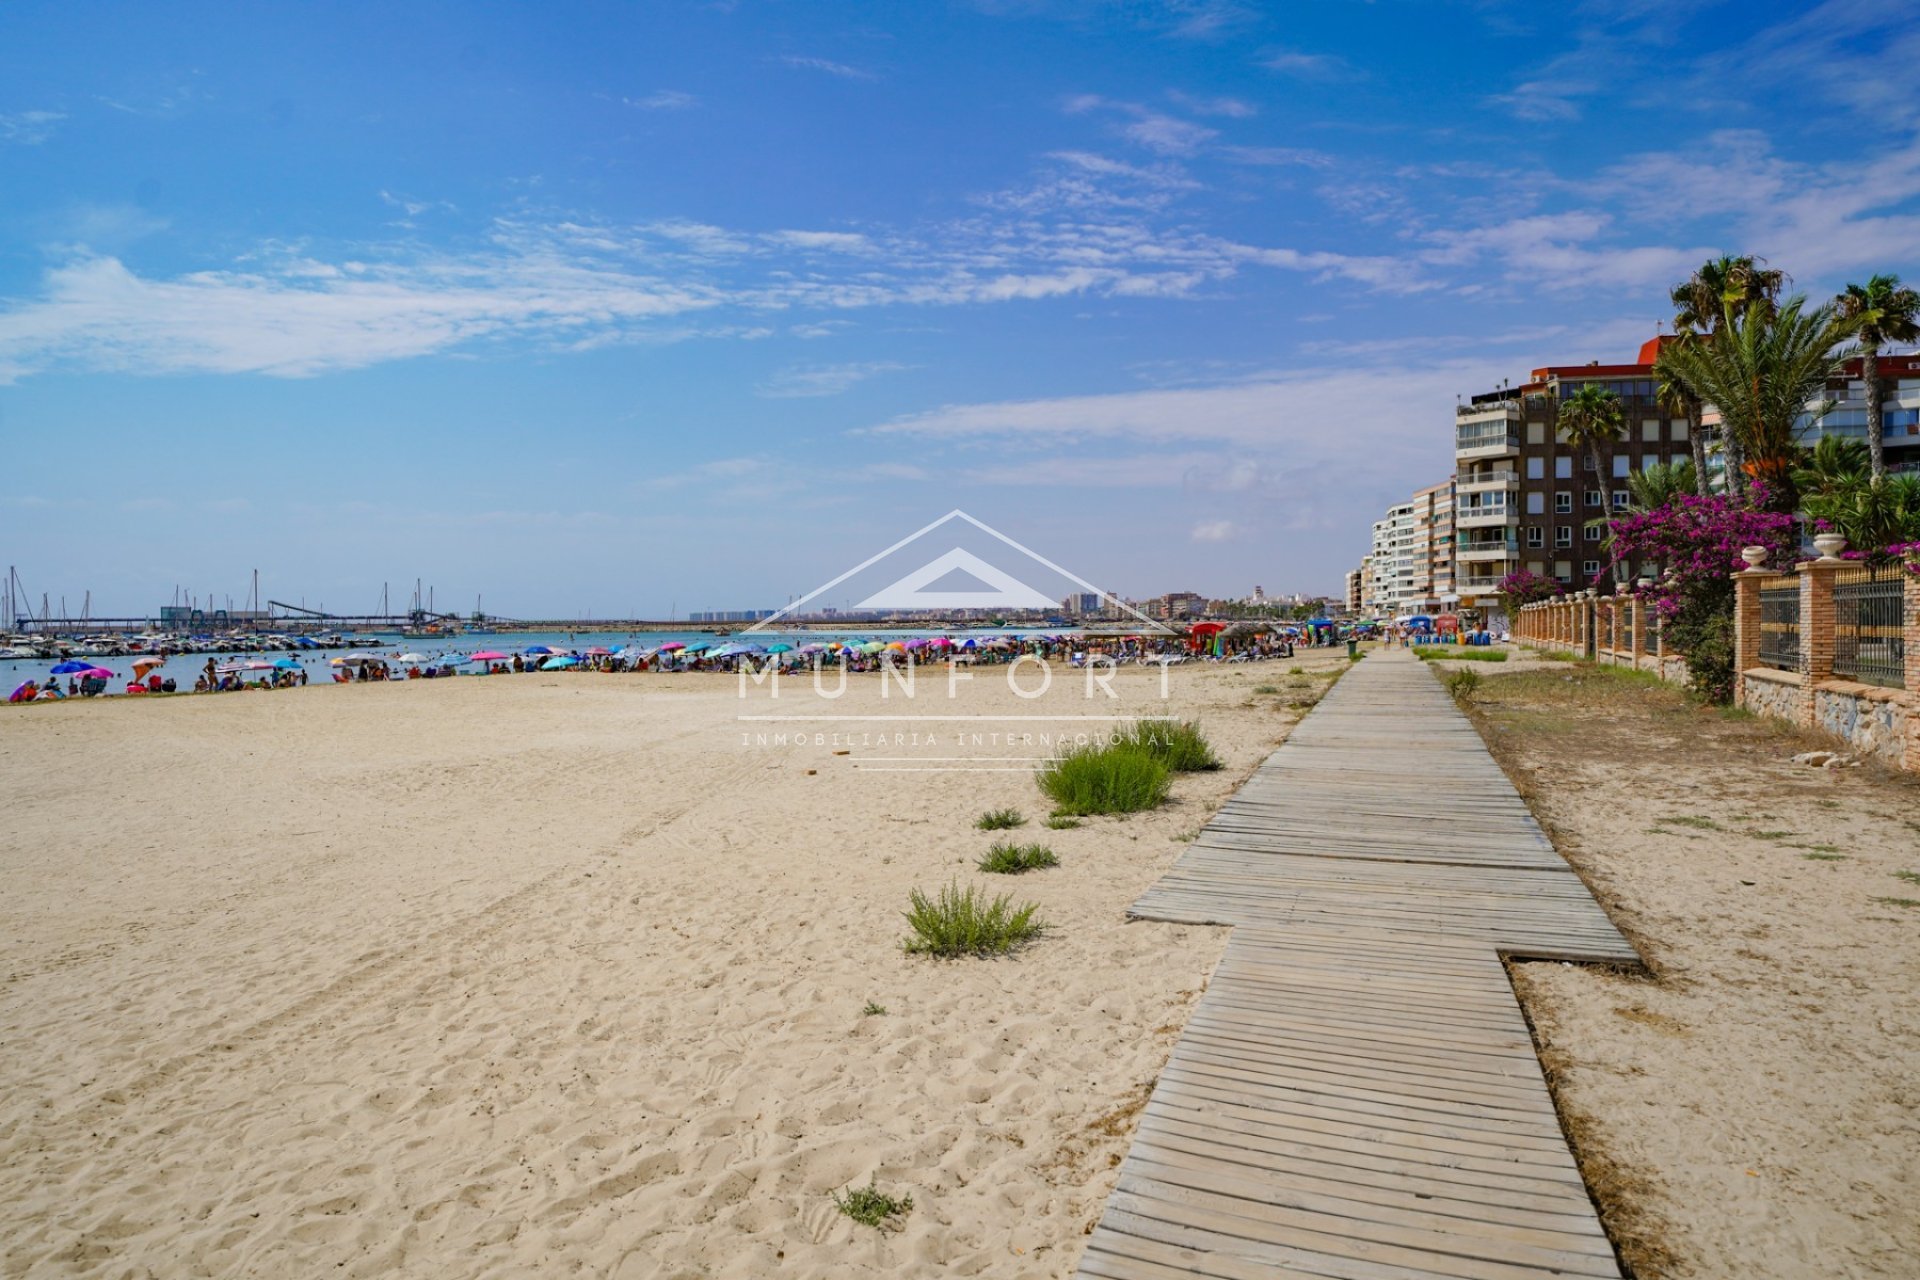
(1563, 570)
(1536, 468)
(1560, 435)
(1586, 462)
(1536, 504)
(1536, 433)
(1595, 497)
(1562, 468)
(1537, 567)
(1536, 538)
(1680, 429)
(1562, 502)
(1590, 567)
(1650, 430)
(1563, 536)
(1620, 468)
(1620, 499)
(1593, 532)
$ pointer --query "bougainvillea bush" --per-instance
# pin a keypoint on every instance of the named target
(1522, 587)
(1691, 548)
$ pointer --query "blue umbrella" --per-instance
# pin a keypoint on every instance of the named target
(72, 668)
(695, 646)
(538, 648)
(555, 664)
(288, 664)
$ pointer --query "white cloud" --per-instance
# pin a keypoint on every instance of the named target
(806, 381)
(1167, 135)
(840, 69)
(29, 128)
(838, 241)
(664, 100)
(1233, 108)
(1309, 66)
(1212, 531)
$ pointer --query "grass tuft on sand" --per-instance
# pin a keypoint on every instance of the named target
(1117, 778)
(1000, 820)
(871, 1207)
(1009, 859)
(1178, 744)
(965, 922)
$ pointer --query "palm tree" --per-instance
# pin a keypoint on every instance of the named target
(1833, 463)
(1671, 394)
(1763, 369)
(1877, 312)
(1658, 484)
(1593, 420)
(1722, 288)
(1873, 516)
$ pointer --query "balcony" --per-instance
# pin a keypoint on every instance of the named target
(1477, 441)
(1484, 552)
(1479, 585)
(1487, 518)
(1497, 411)
(1486, 480)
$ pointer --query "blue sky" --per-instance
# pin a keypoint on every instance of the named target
(623, 308)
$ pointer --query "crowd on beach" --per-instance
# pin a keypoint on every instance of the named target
(1205, 643)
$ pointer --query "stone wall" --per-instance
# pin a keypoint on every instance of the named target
(1871, 721)
(1767, 692)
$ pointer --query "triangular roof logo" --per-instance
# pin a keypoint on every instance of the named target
(924, 588)
(958, 579)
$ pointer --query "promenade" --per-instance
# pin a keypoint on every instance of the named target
(1357, 1094)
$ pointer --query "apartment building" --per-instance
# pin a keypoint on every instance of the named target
(1410, 567)
(1526, 498)
(1358, 580)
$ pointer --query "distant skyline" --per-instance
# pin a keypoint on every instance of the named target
(615, 309)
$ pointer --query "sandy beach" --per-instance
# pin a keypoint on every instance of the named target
(1747, 1109)
(556, 974)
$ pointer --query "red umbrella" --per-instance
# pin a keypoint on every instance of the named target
(489, 655)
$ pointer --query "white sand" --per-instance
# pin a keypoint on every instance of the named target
(550, 974)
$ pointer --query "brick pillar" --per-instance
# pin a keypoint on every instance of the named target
(1816, 630)
(1746, 628)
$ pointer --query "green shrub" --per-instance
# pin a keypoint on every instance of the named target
(1178, 744)
(1462, 683)
(967, 923)
(1010, 859)
(869, 1206)
(1296, 671)
(1061, 822)
(1266, 688)
(1000, 820)
(1458, 653)
(1117, 778)
(874, 1009)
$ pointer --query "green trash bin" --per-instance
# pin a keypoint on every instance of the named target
(1353, 649)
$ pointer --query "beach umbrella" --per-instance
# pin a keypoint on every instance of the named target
(940, 642)
(488, 655)
(98, 673)
(285, 664)
(20, 689)
(672, 646)
(451, 659)
(696, 646)
(557, 664)
(411, 657)
(536, 649)
(598, 652)
(257, 666)
(779, 648)
(69, 669)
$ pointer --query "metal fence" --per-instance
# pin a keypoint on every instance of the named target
(1868, 641)
(1780, 626)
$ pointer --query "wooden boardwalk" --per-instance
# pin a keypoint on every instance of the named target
(1357, 1094)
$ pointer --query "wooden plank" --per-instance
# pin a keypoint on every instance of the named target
(1357, 1096)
